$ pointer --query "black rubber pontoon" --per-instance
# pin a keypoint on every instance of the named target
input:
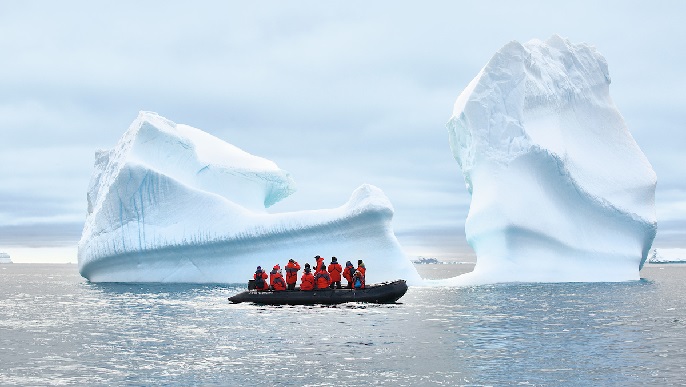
(383, 293)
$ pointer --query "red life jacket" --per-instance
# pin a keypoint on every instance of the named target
(362, 269)
(307, 281)
(320, 262)
(349, 273)
(274, 275)
(292, 272)
(335, 270)
(278, 283)
(261, 280)
(323, 279)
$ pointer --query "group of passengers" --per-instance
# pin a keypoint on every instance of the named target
(323, 278)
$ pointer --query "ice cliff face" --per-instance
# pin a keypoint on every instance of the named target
(560, 190)
(171, 203)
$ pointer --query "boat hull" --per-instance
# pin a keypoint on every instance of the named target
(383, 293)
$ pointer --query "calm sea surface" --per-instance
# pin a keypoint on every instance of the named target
(58, 329)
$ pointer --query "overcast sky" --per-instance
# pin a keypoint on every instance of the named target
(338, 93)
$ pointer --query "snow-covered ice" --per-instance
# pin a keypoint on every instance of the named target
(171, 203)
(560, 190)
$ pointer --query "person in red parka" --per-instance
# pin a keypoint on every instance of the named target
(361, 268)
(276, 280)
(335, 271)
(348, 274)
(307, 280)
(318, 264)
(322, 278)
(260, 278)
(273, 273)
(292, 273)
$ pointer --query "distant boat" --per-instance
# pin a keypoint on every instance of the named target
(5, 258)
(383, 293)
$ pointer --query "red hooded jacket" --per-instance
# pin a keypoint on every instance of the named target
(322, 278)
(307, 281)
(292, 272)
(261, 280)
(335, 271)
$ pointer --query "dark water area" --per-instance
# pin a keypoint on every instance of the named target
(58, 329)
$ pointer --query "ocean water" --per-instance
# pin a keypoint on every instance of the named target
(58, 329)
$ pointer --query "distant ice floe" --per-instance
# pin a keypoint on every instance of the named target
(171, 203)
(5, 258)
(560, 190)
(425, 261)
(668, 256)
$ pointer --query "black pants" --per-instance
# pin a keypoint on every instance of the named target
(335, 285)
(291, 286)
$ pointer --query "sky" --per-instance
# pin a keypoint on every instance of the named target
(338, 93)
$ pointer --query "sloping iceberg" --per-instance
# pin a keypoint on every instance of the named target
(171, 203)
(560, 191)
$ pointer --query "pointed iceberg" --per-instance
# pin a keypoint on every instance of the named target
(560, 191)
(171, 203)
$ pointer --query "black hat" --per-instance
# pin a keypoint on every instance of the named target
(334, 259)
(317, 256)
(291, 260)
(359, 261)
(307, 265)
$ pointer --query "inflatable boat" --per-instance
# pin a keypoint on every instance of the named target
(383, 293)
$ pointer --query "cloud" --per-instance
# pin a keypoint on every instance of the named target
(670, 234)
(41, 235)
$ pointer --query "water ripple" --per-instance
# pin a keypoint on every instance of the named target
(64, 331)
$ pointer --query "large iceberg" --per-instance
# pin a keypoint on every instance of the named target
(171, 203)
(560, 190)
